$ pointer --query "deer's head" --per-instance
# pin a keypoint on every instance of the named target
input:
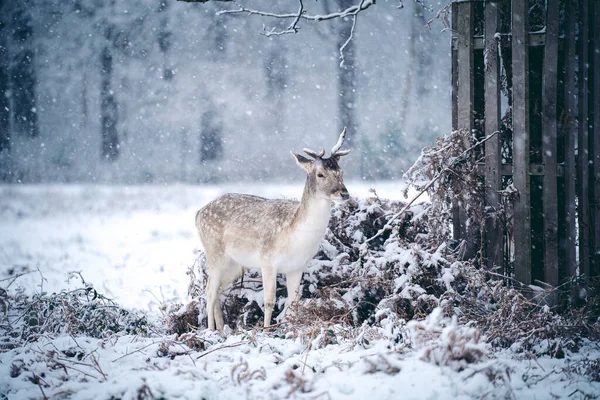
(325, 174)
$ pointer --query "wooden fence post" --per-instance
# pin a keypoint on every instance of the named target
(583, 142)
(521, 167)
(550, 192)
(595, 113)
(462, 15)
(570, 94)
(493, 157)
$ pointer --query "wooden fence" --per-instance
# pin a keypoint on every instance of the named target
(531, 70)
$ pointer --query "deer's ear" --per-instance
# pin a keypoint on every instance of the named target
(302, 161)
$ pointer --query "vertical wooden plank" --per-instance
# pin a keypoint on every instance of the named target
(454, 66)
(455, 206)
(522, 210)
(493, 159)
(464, 48)
(595, 113)
(570, 136)
(583, 141)
(549, 85)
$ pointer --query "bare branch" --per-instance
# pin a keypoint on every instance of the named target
(350, 37)
(353, 10)
(293, 28)
(301, 15)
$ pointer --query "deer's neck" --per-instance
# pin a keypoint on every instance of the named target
(313, 212)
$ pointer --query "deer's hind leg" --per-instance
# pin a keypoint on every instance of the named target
(223, 271)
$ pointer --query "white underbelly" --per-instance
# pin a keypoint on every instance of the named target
(245, 258)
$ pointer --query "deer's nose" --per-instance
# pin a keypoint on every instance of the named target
(345, 195)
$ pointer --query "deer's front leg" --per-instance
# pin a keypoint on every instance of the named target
(293, 280)
(269, 277)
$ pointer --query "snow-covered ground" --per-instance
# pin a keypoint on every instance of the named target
(135, 244)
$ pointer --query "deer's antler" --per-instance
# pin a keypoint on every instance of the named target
(314, 154)
(335, 151)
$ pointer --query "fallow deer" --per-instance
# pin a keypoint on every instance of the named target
(277, 236)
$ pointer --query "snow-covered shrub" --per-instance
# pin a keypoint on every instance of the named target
(443, 341)
(512, 317)
(81, 311)
(352, 280)
(448, 171)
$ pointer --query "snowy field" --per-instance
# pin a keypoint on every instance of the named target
(135, 244)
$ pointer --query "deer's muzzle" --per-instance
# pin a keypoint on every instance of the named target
(344, 193)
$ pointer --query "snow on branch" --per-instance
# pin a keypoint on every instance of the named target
(352, 10)
(293, 27)
(301, 14)
(350, 37)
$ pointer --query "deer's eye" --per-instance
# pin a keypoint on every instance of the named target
(320, 175)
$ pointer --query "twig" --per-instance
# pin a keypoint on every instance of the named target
(293, 28)
(39, 379)
(42, 279)
(347, 42)
(350, 36)
(14, 278)
(136, 351)
(222, 347)
(98, 368)
(312, 334)
(161, 303)
(59, 362)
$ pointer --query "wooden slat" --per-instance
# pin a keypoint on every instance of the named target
(522, 211)
(465, 65)
(464, 93)
(595, 113)
(570, 93)
(455, 213)
(493, 158)
(583, 142)
(454, 67)
(549, 87)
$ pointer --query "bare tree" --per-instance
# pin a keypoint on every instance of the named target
(4, 105)
(108, 105)
(211, 147)
(22, 73)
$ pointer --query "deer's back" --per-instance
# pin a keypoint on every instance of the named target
(244, 221)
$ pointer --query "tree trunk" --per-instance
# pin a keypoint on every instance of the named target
(5, 162)
(4, 105)
(108, 105)
(22, 74)
(347, 84)
(276, 79)
(211, 146)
